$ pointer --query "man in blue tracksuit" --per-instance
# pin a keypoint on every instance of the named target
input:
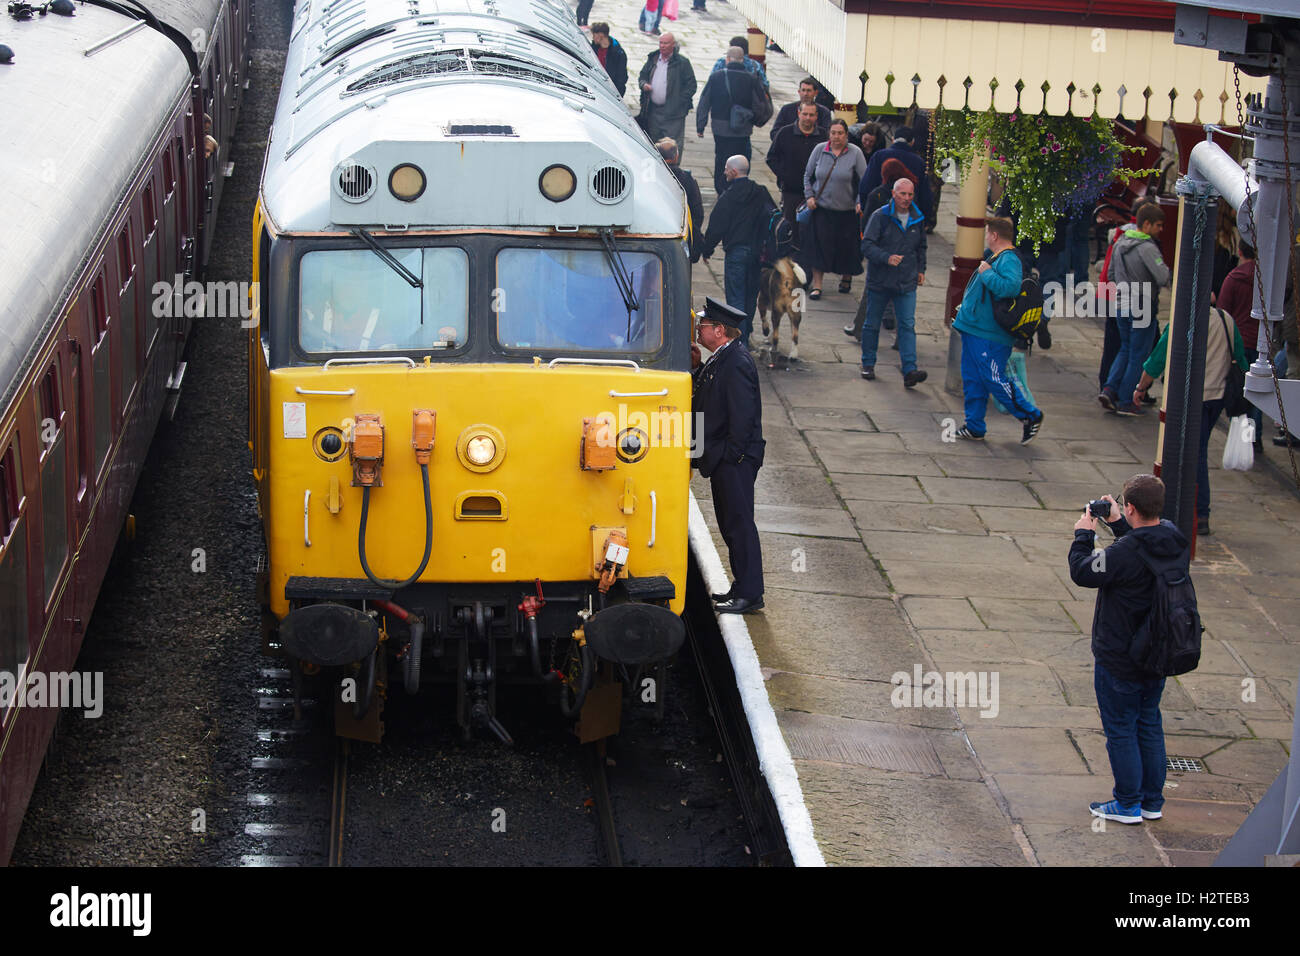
(894, 247)
(985, 347)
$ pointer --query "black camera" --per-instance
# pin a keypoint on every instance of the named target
(1099, 509)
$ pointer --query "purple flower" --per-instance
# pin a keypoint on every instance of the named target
(1043, 150)
(1013, 117)
(1056, 147)
(1101, 149)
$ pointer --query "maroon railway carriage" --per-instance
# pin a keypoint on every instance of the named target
(105, 190)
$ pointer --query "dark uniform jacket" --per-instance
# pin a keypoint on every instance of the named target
(1126, 587)
(681, 85)
(738, 216)
(788, 155)
(726, 395)
(615, 63)
(695, 203)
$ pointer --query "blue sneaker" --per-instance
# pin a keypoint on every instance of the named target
(1113, 811)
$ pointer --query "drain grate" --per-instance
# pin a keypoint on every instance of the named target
(1184, 764)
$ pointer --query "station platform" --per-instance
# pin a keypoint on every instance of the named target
(890, 551)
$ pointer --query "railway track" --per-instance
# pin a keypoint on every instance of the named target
(603, 804)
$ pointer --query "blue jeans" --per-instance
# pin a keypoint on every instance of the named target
(905, 310)
(1135, 341)
(1209, 415)
(645, 17)
(1135, 739)
(740, 282)
(984, 372)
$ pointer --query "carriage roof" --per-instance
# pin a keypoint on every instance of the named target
(74, 128)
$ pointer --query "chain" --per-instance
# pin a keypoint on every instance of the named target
(1259, 275)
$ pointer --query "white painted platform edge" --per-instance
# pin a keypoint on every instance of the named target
(773, 755)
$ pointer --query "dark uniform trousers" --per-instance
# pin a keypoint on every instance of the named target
(733, 504)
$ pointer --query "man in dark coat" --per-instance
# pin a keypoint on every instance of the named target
(789, 113)
(694, 201)
(730, 449)
(737, 222)
(667, 83)
(902, 151)
(788, 157)
(723, 90)
(611, 54)
(1127, 696)
(894, 246)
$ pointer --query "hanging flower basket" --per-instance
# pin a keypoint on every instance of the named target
(1050, 166)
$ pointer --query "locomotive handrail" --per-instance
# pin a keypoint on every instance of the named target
(659, 394)
(592, 361)
(324, 391)
(390, 360)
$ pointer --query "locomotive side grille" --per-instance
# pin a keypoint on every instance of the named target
(355, 182)
(609, 183)
(466, 60)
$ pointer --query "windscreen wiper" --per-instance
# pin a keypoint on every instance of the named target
(621, 277)
(389, 258)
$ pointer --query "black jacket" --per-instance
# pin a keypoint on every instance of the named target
(695, 203)
(615, 63)
(727, 400)
(909, 158)
(789, 114)
(738, 217)
(788, 155)
(734, 85)
(1125, 587)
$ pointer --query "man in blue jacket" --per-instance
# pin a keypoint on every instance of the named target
(985, 347)
(894, 246)
(1127, 696)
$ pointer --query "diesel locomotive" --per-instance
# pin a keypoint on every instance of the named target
(470, 397)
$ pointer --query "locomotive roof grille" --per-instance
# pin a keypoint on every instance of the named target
(464, 60)
(354, 41)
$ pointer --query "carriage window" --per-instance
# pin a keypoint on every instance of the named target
(101, 371)
(350, 300)
(54, 482)
(169, 172)
(13, 569)
(150, 218)
(568, 299)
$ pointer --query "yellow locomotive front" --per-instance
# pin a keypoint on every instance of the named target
(472, 452)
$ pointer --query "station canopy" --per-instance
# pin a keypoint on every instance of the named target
(1062, 56)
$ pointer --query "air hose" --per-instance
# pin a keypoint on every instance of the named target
(428, 537)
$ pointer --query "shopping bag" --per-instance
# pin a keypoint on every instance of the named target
(1239, 450)
(670, 9)
(1018, 370)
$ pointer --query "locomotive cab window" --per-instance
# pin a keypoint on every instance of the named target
(570, 299)
(351, 300)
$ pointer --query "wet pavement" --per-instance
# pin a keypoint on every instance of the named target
(888, 548)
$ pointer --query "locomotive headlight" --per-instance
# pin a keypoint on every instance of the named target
(406, 182)
(481, 448)
(557, 182)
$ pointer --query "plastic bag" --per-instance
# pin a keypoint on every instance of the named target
(670, 9)
(1239, 450)
(1018, 370)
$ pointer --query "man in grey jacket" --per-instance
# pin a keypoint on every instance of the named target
(667, 84)
(894, 246)
(1138, 271)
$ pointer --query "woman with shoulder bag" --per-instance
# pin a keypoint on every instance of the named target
(830, 188)
(1224, 350)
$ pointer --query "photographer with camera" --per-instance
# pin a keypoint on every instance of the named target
(1128, 695)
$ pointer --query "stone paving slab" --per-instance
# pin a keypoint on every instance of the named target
(972, 538)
